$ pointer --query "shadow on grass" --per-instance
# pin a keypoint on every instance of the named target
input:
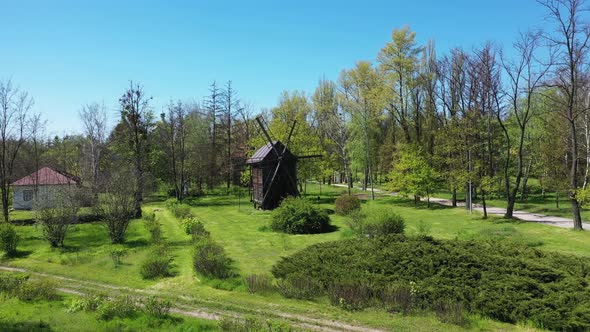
(17, 254)
(25, 326)
(137, 243)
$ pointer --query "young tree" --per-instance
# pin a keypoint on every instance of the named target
(94, 120)
(137, 125)
(570, 39)
(56, 211)
(15, 106)
(117, 206)
(411, 173)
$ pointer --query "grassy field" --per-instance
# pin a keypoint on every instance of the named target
(242, 231)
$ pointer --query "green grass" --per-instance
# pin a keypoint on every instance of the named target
(16, 315)
(241, 231)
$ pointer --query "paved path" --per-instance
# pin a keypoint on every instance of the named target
(522, 215)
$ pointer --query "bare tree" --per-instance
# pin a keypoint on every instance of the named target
(36, 129)
(117, 206)
(525, 74)
(137, 120)
(15, 106)
(571, 42)
(174, 135)
(94, 120)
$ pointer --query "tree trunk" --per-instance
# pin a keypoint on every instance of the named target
(454, 197)
(483, 202)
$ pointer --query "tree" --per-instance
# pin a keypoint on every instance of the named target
(212, 107)
(362, 91)
(411, 173)
(525, 76)
(571, 42)
(117, 205)
(174, 134)
(15, 106)
(137, 125)
(231, 106)
(56, 211)
(94, 121)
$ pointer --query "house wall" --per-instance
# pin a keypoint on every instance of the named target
(45, 194)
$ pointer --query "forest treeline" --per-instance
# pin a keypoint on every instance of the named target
(484, 119)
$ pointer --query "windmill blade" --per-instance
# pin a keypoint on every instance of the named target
(263, 128)
(272, 180)
(290, 134)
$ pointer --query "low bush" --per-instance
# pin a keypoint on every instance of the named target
(299, 287)
(8, 239)
(251, 324)
(194, 227)
(10, 282)
(297, 215)
(37, 290)
(156, 307)
(156, 266)
(355, 295)
(179, 210)
(450, 312)
(258, 283)
(376, 222)
(347, 204)
(122, 306)
(210, 259)
(86, 302)
(502, 280)
(154, 227)
(116, 253)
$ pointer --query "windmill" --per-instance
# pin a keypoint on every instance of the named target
(274, 170)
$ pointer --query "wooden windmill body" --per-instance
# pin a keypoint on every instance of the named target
(273, 171)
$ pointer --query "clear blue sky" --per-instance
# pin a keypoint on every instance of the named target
(68, 53)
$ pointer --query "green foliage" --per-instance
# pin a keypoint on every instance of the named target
(86, 302)
(38, 289)
(10, 282)
(258, 283)
(154, 227)
(298, 286)
(121, 306)
(451, 312)
(375, 222)
(353, 295)
(251, 324)
(116, 253)
(194, 227)
(210, 259)
(156, 266)
(347, 204)
(8, 239)
(179, 210)
(411, 173)
(156, 307)
(501, 280)
(299, 216)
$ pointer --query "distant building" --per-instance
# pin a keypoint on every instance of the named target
(46, 184)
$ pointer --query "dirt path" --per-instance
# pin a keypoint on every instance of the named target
(521, 215)
(193, 307)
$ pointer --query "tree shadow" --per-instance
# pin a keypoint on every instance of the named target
(17, 254)
(136, 243)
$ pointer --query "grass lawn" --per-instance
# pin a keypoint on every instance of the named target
(241, 231)
(16, 315)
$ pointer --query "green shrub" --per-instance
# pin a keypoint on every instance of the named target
(156, 266)
(194, 227)
(8, 239)
(116, 253)
(251, 324)
(179, 210)
(299, 287)
(258, 283)
(86, 302)
(156, 307)
(122, 306)
(37, 290)
(10, 282)
(299, 216)
(376, 222)
(502, 280)
(347, 204)
(211, 260)
(154, 227)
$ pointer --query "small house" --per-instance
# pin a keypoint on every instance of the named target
(47, 183)
(267, 193)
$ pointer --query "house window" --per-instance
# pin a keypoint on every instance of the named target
(27, 195)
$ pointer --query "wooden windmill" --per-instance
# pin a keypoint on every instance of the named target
(274, 170)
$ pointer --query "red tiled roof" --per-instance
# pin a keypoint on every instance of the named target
(47, 176)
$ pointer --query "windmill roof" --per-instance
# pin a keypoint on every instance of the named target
(266, 150)
(47, 176)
